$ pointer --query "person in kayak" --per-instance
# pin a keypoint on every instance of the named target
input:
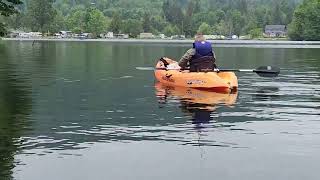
(201, 57)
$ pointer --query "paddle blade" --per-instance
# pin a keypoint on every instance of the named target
(145, 68)
(267, 71)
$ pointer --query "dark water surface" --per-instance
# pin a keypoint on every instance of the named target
(72, 110)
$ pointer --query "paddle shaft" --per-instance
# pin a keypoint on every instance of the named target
(263, 71)
(220, 70)
(237, 70)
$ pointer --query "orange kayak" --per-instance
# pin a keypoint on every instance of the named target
(212, 81)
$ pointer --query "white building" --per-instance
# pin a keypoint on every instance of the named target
(109, 35)
(35, 34)
(121, 36)
(66, 34)
(162, 36)
(146, 35)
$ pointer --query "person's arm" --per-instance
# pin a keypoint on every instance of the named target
(186, 58)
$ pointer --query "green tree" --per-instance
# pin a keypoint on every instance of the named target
(173, 12)
(133, 27)
(267, 19)
(198, 19)
(197, 6)
(287, 8)
(158, 23)
(277, 14)
(166, 9)
(237, 22)
(250, 24)
(3, 29)
(190, 8)
(258, 16)
(306, 21)
(171, 30)
(221, 28)
(255, 33)
(15, 21)
(146, 23)
(212, 18)
(58, 23)
(220, 15)
(205, 28)
(7, 8)
(116, 23)
(243, 6)
(95, 22)
(42, 14)
(76, 21)
(189, 29)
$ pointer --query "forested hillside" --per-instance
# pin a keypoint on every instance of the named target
(171, 17)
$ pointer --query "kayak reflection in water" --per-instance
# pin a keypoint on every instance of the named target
(200, 104)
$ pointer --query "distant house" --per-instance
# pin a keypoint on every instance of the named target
(21, 34)
(35, 34)
(276, 30)
(86, 36)
(162, 36)
(146, 36)
(65, 34)
(209, 37)
(178, 37)
(213, 37)
(14, 34)
(121, 36)
(109, 35)
(24, 35)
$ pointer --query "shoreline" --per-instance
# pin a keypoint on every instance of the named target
(238, 43)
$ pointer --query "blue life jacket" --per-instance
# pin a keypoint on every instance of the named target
(203, 59)
(203, 48)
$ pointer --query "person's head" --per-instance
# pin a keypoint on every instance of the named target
(199, 37)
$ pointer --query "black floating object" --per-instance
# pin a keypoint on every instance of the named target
(267, 71)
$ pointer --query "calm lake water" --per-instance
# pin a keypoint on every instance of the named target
(80, 110)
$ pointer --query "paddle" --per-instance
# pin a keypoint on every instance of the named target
(263, 71)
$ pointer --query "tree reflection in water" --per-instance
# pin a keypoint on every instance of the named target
(15, 106)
